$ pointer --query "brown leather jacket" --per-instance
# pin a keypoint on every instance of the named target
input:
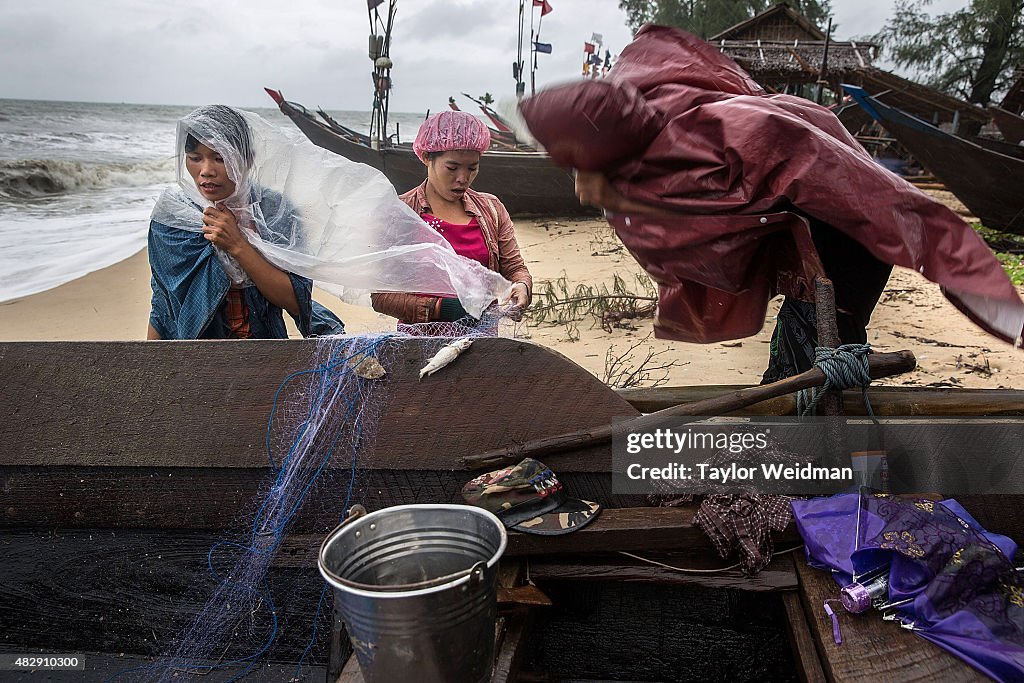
(502, 249)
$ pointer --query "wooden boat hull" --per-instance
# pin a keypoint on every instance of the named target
(123, 471)
(985, 175)
(124, 462)
(527, 183)
(1009, 124)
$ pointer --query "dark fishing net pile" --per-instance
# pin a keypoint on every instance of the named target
(253, 623)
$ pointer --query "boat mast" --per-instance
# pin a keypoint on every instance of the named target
(380, 55)
(517, 68)
(533, 54)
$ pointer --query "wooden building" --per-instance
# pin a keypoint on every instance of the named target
(786, 52)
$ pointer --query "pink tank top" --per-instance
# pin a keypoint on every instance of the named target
(467, 240)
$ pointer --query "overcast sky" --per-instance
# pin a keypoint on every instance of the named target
(192, 52)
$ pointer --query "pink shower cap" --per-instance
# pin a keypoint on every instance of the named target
(450, 130)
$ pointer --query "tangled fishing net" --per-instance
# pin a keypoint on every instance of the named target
(254, 624)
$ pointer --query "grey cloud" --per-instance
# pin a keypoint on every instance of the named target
(124, 50)
(449, 19)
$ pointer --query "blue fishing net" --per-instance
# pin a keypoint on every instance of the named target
(253, 623)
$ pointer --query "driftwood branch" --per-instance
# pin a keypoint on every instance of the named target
(589, 299)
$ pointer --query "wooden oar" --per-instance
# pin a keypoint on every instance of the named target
(879, 365)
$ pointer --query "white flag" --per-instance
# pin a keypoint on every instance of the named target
(597, 38)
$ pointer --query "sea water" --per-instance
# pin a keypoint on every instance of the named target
(78, 181)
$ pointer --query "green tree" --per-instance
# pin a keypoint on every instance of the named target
(486, 99)
(707, 17)
(970, 53)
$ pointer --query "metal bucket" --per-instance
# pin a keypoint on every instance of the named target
(416, 588)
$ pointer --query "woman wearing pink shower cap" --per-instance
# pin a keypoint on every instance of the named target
(476, 224)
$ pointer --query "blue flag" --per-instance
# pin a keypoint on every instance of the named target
(542, 47)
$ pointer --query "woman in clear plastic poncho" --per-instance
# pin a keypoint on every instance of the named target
(307, 213)
(476, 224)
(214, 283)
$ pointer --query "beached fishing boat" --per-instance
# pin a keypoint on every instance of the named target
(121, 470)
(986, 175)
(528, 183)
(502, 135)
(1009, 124)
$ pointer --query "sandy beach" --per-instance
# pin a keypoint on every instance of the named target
(113, 304)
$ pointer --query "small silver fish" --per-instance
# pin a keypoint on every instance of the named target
(446, 355)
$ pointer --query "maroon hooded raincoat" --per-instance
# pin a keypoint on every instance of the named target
(679, 125)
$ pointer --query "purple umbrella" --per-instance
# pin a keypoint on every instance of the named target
(931, 564)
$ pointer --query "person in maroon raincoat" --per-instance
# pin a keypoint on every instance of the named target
(728, 196)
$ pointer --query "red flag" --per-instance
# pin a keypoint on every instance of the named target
(588, 48)
(544, 5)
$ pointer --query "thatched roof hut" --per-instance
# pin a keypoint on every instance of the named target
(780, 48)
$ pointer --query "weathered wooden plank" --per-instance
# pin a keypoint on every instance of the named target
(804, 651)
(511, 628)
(637, 530)
(216, 497)
(627, 529)
(342, 664)
(872, 650)
(351, 672)
(152, 404)
(511, 649)
(521, 597)
(885, 401)
(777, 576)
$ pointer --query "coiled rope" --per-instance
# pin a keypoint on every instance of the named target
(844, 367)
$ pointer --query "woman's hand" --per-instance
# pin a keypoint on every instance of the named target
(519, 299)
(520, 296)
(221, 228)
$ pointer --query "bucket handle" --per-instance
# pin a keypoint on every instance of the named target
(354, 513)
(476, 574)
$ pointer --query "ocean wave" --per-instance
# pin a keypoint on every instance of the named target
(65, 247)
(29, 178)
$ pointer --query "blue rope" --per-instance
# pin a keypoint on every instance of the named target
(324, 590)
(844, 367)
